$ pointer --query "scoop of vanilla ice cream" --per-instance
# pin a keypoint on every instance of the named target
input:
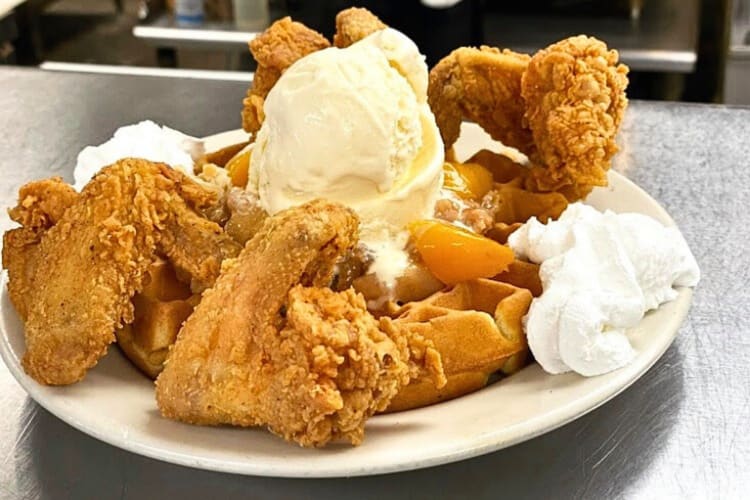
(146, 140)
(352, 125)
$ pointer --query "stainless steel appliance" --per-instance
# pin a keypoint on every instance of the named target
(737, 74)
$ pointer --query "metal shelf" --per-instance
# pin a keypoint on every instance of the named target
(163, 31)
(663, 38)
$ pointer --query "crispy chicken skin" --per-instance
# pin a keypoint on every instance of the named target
(265, 348)
(72, 277)
(574, 92)
(561, 108)
(277, 48)
(482, 85)
(40, 205)
(354, 24)
(196, 247)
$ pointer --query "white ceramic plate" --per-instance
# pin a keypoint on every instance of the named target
(115, 403)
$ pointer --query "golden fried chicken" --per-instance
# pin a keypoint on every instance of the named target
(196, 247)
(40, 205)
(482, 85)
(354, 24)
(277, 48)
(574, 92)
(73, 282)
(264, 347)
(561, 108)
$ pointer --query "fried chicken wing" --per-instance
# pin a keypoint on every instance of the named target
(354, 24)
(72, 284)
(196, 247)
(561, 108)
(40, 205)
(482, 85)
(277, 48)
(264, 348)
(574, 92)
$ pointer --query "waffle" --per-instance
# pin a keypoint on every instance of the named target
(160, 309)
(476, 327)
(513, 203)
(522, 274)
(416, 283)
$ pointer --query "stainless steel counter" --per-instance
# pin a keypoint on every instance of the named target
(681, 431)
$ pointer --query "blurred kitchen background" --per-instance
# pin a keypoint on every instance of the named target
(688, 50)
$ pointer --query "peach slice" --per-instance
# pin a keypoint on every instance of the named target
(468, 180)
(238, 167)
(454, 254)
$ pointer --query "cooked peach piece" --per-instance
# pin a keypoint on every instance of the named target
(467, 180)
(238, 168)
(454, 254)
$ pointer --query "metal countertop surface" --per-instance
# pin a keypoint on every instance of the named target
(681, 431)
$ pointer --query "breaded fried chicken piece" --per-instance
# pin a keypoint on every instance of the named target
(196, 247)
(574, 92)
(72, 285)
(40, 205)
(262, 348)
(277, 48)
(561, 108)
(482, 85)
(354, 24)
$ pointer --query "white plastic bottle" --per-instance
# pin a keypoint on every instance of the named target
(188, 11)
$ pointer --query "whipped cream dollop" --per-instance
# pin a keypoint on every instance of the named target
(145, 140)
(600, 273)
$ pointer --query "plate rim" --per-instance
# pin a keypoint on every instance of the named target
(471, 447)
